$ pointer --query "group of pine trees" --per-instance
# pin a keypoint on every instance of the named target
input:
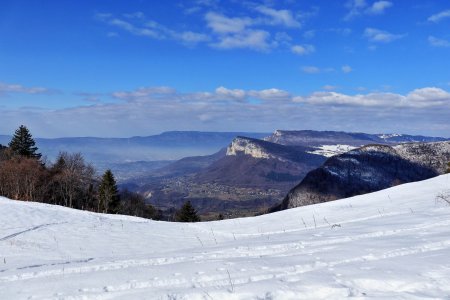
(69, 181)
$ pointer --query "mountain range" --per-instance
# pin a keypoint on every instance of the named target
(251, 174)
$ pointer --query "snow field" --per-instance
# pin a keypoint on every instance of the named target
(392, 244)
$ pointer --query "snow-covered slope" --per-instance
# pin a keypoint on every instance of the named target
(332, 150)
(392, 244)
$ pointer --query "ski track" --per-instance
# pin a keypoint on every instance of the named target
(28, 230)
(239, 252)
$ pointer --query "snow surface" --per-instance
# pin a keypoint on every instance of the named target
(332, 150)
(392, 244)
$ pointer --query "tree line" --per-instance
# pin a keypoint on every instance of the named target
(70, 181)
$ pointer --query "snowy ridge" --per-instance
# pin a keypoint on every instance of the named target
(388, 136)
(332, 150)
(389, 244)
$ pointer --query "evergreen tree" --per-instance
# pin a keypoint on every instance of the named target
(23, 143)
(448, 168)
(109, 200)
(187, 213)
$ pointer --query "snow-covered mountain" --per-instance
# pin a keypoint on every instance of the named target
(368, 169)
(392, 244)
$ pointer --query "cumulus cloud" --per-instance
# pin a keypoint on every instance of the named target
(419, 98)
(303, 49)
(232, 33)
(436, 42)
(270, 95)
(250, 39)
(440, 16)
(282, 17)
(381, 36)
(150, 94)
(154, 109)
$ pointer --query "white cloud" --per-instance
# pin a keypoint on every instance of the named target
(360, 7)
(379, 7)
(151, 94)
(346, 69)
(192, 37)
(8, 88)
(311, 69)
(234, 33)
(354, 8)
(282, 17)
(380, 36)
(271, 95)
(419, 98)
(222, 31)
(137, 24)
(250, 39)
(222, 24)
(436, 42)
(144, 92)
(316, 70)
(151, 110)
(303, 49)
(439, 16)
(231, 94)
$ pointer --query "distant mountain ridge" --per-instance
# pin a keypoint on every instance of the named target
(318, 138)
(171, 145)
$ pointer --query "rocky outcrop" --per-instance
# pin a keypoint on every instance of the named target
(251, 147)
(256, 163)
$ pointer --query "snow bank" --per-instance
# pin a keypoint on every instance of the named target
(392, 244)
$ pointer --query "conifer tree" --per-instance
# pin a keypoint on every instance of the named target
(448, 168)
(187, 213)
(23, 143)
(109, 201)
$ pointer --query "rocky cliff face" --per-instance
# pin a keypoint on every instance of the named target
(251, 147)
(368, 169)
(252, 162)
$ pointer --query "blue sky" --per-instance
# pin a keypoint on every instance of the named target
(124, 68)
